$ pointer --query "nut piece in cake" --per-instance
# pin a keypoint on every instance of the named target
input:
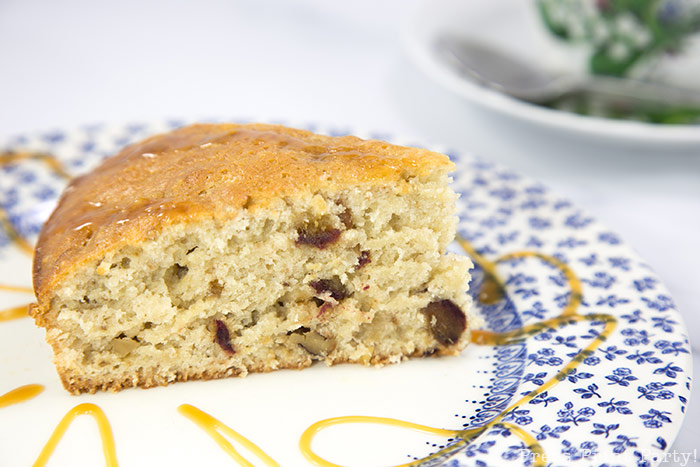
(219, 250)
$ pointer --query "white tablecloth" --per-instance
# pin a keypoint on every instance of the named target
(75, 62)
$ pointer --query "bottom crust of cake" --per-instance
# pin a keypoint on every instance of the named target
(77, 383)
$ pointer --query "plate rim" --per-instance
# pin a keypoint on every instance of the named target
(462, 161)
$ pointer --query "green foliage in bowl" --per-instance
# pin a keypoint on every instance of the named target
(623, 36)
(622, 33)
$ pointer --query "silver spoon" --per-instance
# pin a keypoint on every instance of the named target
(494, 68)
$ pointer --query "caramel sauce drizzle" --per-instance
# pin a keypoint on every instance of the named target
(17, 311)
(16, 288)
(313, 430)
(20, 394)
(105, 429)
(215, 428)
(12, 157)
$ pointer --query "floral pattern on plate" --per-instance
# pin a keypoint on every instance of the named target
(621, 405)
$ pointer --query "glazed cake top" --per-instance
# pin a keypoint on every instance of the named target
(206, 171)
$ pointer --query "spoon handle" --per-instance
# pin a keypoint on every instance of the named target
(640, 92)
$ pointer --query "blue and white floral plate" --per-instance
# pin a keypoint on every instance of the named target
(621, 401)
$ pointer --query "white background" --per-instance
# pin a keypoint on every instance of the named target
(67, 63)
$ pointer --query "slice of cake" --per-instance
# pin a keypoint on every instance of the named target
(219, 250)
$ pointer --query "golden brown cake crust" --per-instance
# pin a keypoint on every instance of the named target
(203, 171)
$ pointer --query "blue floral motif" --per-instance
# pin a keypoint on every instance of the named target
(539, 223)
(568, 415)
(589, 260)
(535, 190)
(544, 357)
(635, 337)
(641, 461)
(601, 429)
(591, 333)
(571, 242)
(499, 430)
(504, 193)
(654, 391)
(532, 204)
(601, 279)
(660, 443)
(666, 324)
(591, 361)
(544, 398)
(644, 357)
(561, 204)
(10, 168)
(584, 450)
(54, 137)
(621, 376)
(621, 443)
(670, 370)
(537, 311)
(655, 418)
(546, 431)
(515, 261)
(609, 238)
(568, 341)
(560, 256)
(536, 379)
(519, 416)
(88, 146)
(526, 293)
(492, 222)
(504, 239)
(45, 193)
(558, 280)
(611, 301)
(563, 299)
(633, 318)
(534, 242)
(588, 392)
(646, 283)
(478, 448)
(613, 406)
(577, 221)
(667, 347)
(612, 352)
(516, 452)
(662, 303)
(545, 335)
(519, 279)
(573, 375)
(620, 263)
